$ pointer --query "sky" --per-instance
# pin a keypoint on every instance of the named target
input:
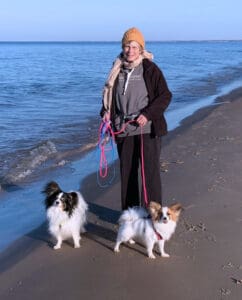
(106, 20)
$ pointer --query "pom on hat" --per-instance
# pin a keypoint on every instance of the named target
(133, 34)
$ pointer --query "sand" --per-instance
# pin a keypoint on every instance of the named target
(201, 167)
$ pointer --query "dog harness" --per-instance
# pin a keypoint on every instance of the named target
(158, 235)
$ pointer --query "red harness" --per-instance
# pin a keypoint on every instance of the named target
(158, 235)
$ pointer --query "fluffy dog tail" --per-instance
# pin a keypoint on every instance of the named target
(132, 214)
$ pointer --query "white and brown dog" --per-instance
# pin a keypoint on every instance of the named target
(149, 227)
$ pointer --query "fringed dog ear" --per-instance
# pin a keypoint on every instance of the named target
(51, 188)
(73, 198)
(154, 209)
(176, 209)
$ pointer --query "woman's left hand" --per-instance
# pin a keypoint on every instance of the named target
(141, 120)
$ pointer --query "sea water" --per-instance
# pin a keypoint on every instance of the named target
(50, 98)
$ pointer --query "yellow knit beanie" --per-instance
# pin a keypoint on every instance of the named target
(133, 34)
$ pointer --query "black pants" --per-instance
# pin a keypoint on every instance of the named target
(129, 150)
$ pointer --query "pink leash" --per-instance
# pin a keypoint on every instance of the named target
(143, 169)
(105, 132)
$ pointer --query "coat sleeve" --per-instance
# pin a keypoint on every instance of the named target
(158, 93)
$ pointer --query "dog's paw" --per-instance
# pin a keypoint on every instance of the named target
(165, 255)
(116, 249)
(131, 242)
(77, 246)
(56, 247)
(151, 256)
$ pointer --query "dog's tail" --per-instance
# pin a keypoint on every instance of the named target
(132, 214)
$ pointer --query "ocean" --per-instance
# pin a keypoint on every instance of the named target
(50, 99)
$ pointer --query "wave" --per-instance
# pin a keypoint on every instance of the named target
(29, 162)
(40, 159)
(209, 85)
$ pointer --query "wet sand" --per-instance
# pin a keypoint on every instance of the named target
(201, 167)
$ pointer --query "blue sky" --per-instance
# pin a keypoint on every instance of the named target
(106, 20)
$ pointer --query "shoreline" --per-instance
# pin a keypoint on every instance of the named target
(201, 164)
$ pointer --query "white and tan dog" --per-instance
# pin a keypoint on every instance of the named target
(157, 226)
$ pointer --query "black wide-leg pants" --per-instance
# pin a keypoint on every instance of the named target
(129, 151)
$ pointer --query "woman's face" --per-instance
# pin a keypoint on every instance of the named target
(131, 51)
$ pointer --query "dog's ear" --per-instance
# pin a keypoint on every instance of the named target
(176, 209)
(154, 209)
(51, 188)
(73, 198)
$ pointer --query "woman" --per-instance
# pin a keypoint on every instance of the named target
(136, 95)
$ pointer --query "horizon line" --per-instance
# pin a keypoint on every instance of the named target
(115, 41)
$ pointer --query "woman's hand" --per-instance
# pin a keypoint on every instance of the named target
(106, 116)
(141, 120)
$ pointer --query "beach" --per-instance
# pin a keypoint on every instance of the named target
(201, 167)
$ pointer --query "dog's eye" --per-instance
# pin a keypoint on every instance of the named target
(168, 214)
